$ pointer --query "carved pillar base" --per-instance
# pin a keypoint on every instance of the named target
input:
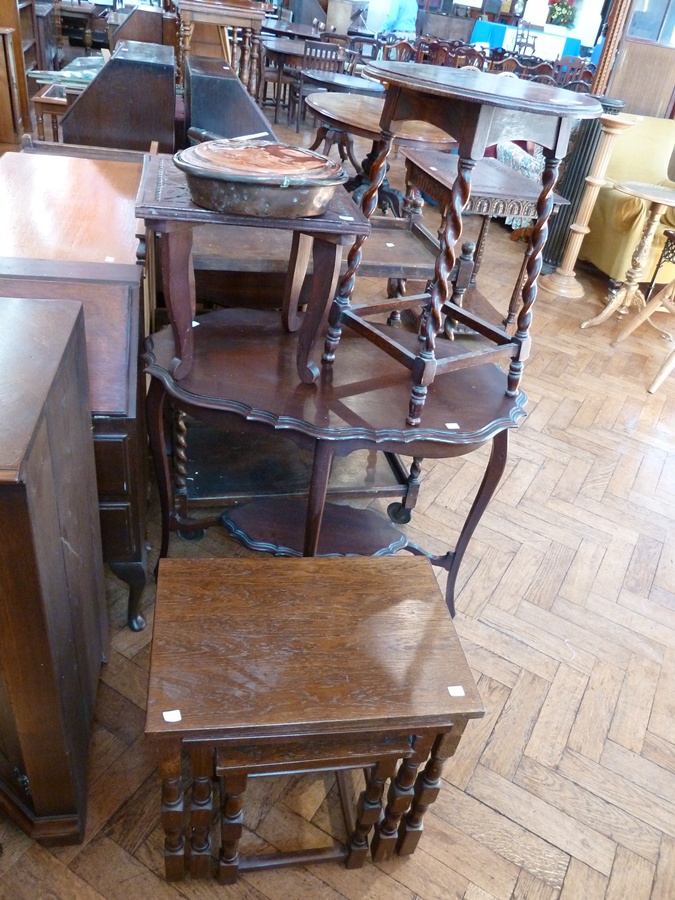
(563, 281)
(563, 284)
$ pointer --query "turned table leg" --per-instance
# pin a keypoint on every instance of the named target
(368, 813)
(427, 788)
(172, 813)
(401, 793)
(231, 826)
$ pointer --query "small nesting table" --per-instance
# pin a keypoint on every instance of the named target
(325, 664)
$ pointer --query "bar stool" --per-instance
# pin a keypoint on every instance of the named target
(264, 666)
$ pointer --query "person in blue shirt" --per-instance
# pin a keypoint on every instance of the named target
(402, 19)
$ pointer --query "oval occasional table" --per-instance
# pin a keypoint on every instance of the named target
(344, 115)
(343, 83)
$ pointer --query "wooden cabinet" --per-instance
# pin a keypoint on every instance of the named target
(49, 56)
(70, 233)
(53, 624)
(20, 15)
(110, 296)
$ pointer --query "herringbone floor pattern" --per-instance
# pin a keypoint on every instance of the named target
(566, 610)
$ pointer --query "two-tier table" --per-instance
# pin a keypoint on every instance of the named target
(478, 110)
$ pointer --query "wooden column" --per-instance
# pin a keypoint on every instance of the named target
(11, 124)
(615, 30)
(563, 281)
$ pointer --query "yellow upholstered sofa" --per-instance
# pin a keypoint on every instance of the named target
(641, 153)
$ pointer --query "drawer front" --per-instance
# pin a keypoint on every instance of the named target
(112, 455)
(120, 536)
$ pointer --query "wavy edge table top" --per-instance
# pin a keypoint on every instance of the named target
(363, 396)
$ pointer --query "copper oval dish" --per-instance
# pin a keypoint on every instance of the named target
(259, 178)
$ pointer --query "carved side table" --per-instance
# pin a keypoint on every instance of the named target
(244, 370)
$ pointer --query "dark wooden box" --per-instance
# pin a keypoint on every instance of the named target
(111, 299)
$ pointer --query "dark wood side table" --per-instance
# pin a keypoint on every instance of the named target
(70, 233)
(165, 203)
(477, 109)
(343, 115)
(53, 621)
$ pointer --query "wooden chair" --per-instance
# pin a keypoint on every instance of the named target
(578, 85)
(360, 52)
(333, 37)
(422, 46)
(506, 64)
(438, 55)
(454, 57)
(325, 665)
(530, 73)
(367, 48)
(400, 51)
(568, 68)
(474, 58)
(269, 75)
(322, 55)
(430, 49)
(497, 54)
(525, 42)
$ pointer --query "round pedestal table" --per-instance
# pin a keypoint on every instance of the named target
(660, 199)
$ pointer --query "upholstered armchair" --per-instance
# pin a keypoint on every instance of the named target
(641, 153)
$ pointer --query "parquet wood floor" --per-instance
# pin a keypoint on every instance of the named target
(566, 610)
